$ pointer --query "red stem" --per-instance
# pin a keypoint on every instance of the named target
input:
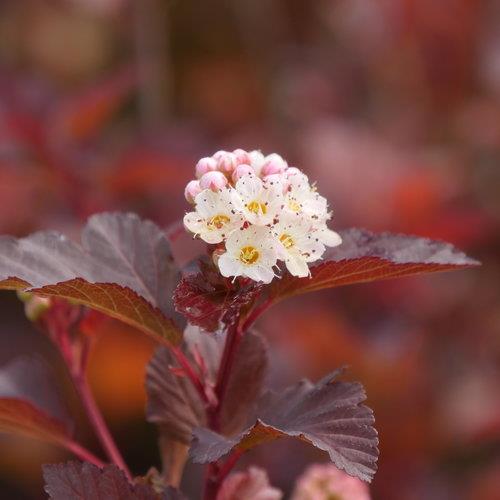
(191, 374)
(98, 423)
(82, 453)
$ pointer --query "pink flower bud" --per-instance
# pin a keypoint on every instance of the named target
(226, 162)
(213, 180)
(242, 170)
(274, 164)
(205, 165)
(242, 157)
(192, 189)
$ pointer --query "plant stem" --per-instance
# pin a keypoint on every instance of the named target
(82, 453)
(98, 423)
(215, 473)
(191, 374)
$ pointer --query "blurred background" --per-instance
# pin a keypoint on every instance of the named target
(393, 106)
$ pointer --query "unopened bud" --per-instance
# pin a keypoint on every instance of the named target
(213, 180)
(193, 188)
(242, 157)
(226, 162)
(205, 165)
(256, 161)
(241, 171)
(274, 164)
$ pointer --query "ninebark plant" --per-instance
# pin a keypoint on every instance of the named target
(205, 382)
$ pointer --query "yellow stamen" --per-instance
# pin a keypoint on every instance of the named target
(249, 255)
(293, 205)
(218, 222)
(257, 207)
(287, 241)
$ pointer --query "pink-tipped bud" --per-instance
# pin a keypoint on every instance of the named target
(274, 164)
(242, 157)
(241, 171)
(205, 165)
(226, 162)
(213, 180)
(193, 188)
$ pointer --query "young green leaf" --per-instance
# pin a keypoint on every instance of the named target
(84, 481)
(364, 256)
(329, 415)
(123, 268)
(29, 403)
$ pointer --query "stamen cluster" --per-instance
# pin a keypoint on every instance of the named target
(258, 211)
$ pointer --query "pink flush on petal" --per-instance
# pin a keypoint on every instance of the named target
(204, 166)
(193, 188)
(213, 180)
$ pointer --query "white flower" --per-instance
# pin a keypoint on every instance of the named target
(261, 202)
(216, 215)
(250, 252)
(299, 244)
(303, 199)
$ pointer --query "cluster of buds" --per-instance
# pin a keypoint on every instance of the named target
(258, 211)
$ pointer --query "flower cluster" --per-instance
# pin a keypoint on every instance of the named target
(259, 211)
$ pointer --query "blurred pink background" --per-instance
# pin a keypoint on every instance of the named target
(393, 106)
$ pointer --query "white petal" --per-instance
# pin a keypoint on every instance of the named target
(193, 222)
(229, 266)
(207, 202)
(260, 273)
(330, 238)
(249, 187)
(297, 265)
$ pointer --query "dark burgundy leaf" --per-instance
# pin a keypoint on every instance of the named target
(84, 481)
(29, 403)
(173, 402)
(175, 406)
(123, 268)
(364, 256)
(206, 299)
(244, 384)
(329, 415)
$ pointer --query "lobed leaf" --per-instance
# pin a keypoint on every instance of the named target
(84, 481)
(29, 404)
(329, 415)
(123, 268)
(364, 256)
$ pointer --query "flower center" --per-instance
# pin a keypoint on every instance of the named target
(293, 205)
(287, 241)
(257, 207)
(218, 222)
(249, 255)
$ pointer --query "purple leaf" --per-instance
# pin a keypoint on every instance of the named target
(364, 256)
(173, 402)
(244, 384)
(84, 481)
(29, 403)
(208, 300)
(123, 268)
(329, 415)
